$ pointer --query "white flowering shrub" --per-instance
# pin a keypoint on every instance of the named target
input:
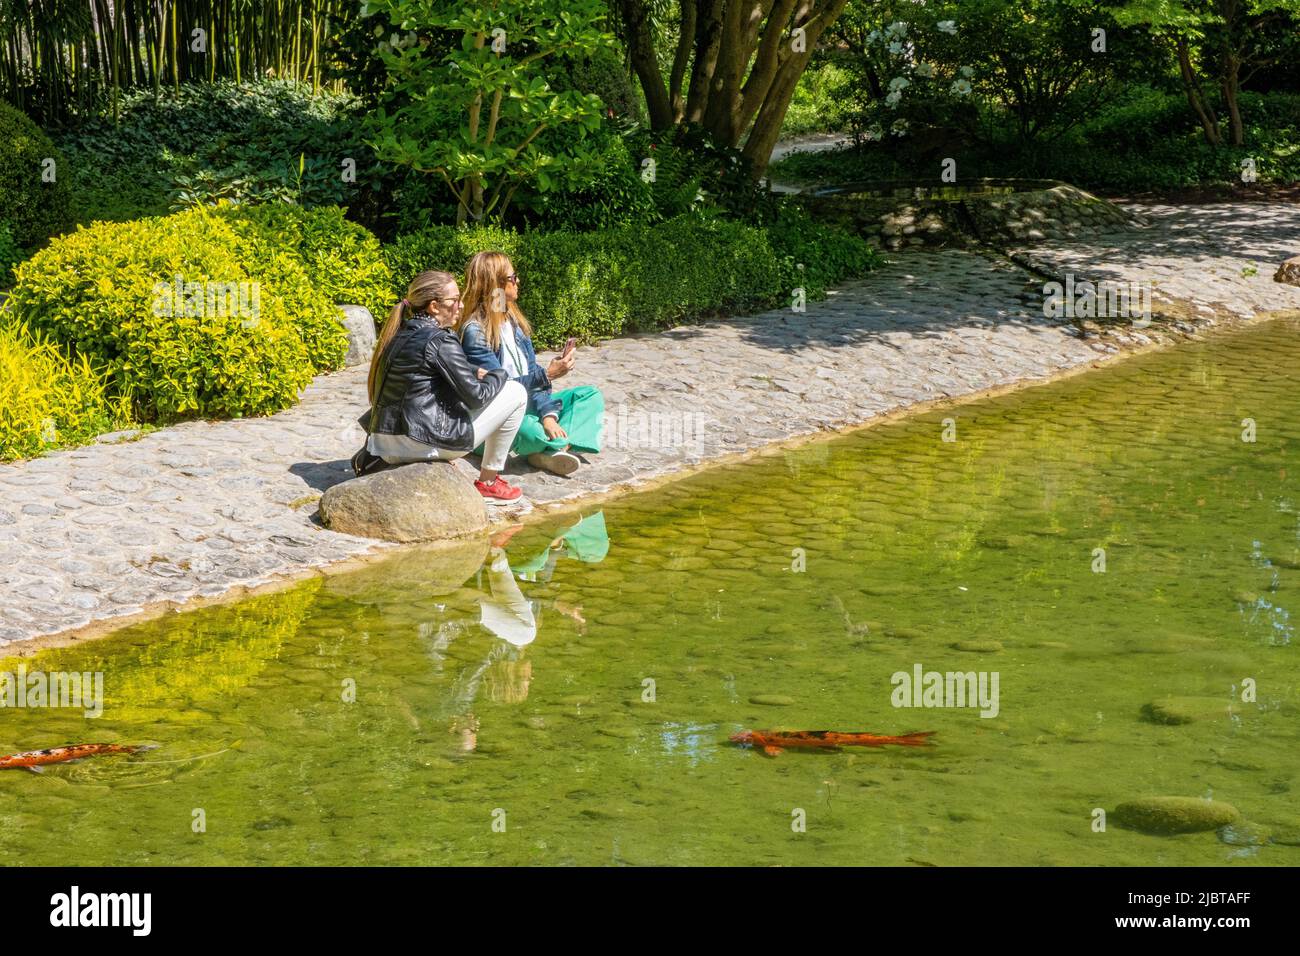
(909, 63)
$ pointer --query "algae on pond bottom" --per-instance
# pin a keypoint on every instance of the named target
(1108, 544)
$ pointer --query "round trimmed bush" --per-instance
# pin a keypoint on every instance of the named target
(171, 310)
(34, 209)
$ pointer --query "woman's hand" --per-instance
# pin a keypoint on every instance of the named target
(552, 428)
(481, 373)
(561, 365)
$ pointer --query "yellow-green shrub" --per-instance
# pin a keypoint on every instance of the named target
(47, 400)
(102, 291)
(274, 259)
(343, 260)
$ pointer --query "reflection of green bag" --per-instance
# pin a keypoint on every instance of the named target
(586, 541)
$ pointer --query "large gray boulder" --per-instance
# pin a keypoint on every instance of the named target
(360, 326)
(426, 501)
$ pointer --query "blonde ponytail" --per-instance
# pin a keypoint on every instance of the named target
(423, 289)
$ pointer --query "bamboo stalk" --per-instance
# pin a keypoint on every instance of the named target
(58, 57)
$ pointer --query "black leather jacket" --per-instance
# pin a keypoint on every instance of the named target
(427, 388)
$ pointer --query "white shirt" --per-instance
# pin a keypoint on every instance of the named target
(512, 356)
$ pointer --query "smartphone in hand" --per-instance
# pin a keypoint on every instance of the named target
(569, 346)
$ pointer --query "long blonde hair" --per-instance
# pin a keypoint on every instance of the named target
(485, 289)
(423, 289)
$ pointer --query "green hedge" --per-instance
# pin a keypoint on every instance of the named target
(639, 277)
(342, 259)
(106, 291)
(10, 253)
(35, 209)
(46, 400)
(815, 257)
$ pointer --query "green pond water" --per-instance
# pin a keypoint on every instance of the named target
(486, 695)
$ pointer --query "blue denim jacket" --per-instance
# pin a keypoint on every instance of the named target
(474, 341)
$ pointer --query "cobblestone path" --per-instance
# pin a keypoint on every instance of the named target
(199, 508)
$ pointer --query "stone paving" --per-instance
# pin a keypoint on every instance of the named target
(200, 508)
(1215, 257)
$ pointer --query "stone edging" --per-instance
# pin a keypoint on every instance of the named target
(997, 212)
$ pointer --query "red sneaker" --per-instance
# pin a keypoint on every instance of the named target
(498, 490)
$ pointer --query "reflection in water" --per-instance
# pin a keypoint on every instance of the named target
(378, 716)
(510, 616)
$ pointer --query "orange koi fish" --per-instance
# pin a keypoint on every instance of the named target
(773, 742)
(33, 760)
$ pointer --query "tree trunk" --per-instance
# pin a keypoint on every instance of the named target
(1230, 83)
(733, 56)
(708, 38)
(766, 61)
(767, 125)
(476, 198)
(640, 47)
(742, 62)
(1195, 96)
(771, 114)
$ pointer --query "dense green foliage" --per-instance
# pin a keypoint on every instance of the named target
(638, 276)
(601, 187)
(264, 141)
(1120, 95)
(107, 292)
(823, 101)
(47, 400)
(614, 195)
(815, 257)
(603, 74)
(34, 206)
(1142, 142)
(647, 177)
(10, 253)
(471, 111)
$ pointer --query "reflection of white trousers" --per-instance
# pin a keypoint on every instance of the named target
(507, 613)
(495, 427)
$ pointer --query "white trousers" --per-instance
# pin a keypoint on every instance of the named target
(495, 427)
(507, 613)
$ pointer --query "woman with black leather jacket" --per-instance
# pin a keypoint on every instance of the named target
(427, 403)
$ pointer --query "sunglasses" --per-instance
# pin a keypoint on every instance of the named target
(513, 277)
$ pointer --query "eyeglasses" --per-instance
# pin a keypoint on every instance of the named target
(513, 277)
(448, 299)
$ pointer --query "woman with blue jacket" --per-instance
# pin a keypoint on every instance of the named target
(495, 335)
